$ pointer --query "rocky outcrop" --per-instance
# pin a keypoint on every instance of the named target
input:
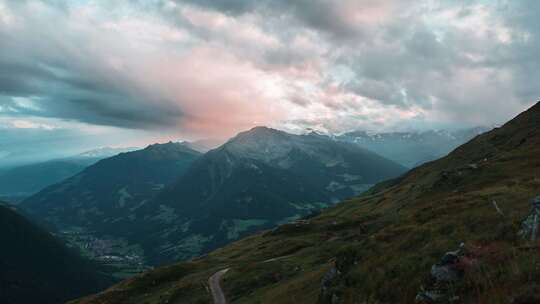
(449, 270)
(326, 283)
(530, 226)
(333, 280)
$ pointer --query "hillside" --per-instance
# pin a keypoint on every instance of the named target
(412, 149)
(380, 247)
(37, 268)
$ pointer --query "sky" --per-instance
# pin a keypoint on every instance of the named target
(76, 75)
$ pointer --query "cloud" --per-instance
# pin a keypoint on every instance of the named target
(212, 68)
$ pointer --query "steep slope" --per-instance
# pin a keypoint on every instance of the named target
(28, 179)
(256, 180)
(380, 247)
(37, 268)
(103, 200)
(412, 149)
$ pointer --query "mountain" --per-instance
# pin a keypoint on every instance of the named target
(38, 268)
(411, 149)
(101, 201)
(397, 243)
(256, 180)
(28, 179)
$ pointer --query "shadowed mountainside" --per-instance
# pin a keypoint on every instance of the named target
(38, 268)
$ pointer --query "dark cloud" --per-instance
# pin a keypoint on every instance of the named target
(84, 97)
(234, 7)
(60, 85)
(329, 17)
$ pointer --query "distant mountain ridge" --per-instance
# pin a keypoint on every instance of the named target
(411, 149)
(28, 179)
(105, 152)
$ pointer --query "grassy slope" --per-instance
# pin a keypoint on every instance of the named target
(385, 241)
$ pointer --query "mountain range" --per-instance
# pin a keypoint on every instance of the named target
(169, 202)
(396, 243)
(409, 149)
(412, 149)
(256, 180)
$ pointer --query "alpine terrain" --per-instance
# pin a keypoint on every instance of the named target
(259, 178)
(461, 228)
(256, 180)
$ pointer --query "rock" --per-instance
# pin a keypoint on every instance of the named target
(327, 294)
(530, 225)
(442, 275)
(327, 279)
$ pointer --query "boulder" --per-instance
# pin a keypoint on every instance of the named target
(328, 293)
(443, 274)
(530, 225)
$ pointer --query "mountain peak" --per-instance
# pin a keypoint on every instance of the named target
(263, 130)
(169, 147)
(259, 134)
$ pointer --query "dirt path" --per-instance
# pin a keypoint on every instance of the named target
(215, 287)
(215, 281)
(277, 259)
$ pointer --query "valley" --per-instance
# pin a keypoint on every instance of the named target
(121, 259)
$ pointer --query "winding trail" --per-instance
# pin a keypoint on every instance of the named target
(215, 287)
(215, 281)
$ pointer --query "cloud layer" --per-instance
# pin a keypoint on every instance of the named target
(212, 68)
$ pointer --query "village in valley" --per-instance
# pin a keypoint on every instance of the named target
(121, 259)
